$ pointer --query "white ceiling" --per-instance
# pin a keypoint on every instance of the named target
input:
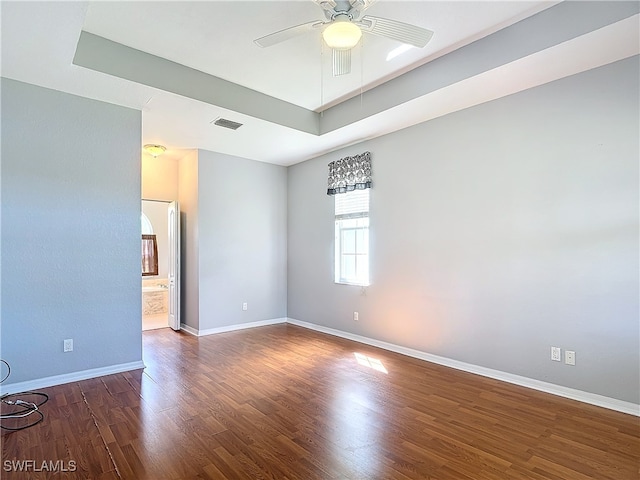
(217, 38)
(39, 41)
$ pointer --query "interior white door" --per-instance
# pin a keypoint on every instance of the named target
(174, 265)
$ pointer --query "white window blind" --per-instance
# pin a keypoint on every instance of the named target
(352, 204)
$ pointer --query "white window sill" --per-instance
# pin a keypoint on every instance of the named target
(354, 284)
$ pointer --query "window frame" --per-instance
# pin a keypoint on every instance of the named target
(355, 221)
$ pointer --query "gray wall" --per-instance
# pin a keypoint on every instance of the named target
(70, 232)
(496, 232)
(242, 229)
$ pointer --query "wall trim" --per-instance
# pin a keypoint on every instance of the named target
(232, 328)
(190, 330)
(573, 394)
(69, 377)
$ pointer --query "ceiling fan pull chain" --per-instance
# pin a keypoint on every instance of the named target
(321, 78)
(361, 72)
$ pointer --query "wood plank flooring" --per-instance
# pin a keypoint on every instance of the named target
(284, 402)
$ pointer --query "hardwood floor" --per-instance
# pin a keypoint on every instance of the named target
(283, 402)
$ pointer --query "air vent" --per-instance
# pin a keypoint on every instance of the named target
(223, 122)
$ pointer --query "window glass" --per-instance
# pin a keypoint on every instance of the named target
(352, 237)
(145, 225)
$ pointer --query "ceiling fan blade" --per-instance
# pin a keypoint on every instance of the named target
(341, 62)
(362, 4)
(286, 34)
(359, 6)
(328, 6)
(402, 32)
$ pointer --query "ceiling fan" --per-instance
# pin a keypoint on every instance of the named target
(343, 29)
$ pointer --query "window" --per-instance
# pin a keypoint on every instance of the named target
(149, 247)
(352, 238)
(145, 224)
(149, 255)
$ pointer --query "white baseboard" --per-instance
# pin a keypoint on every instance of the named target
(231, 328)
(69, 377)
(579, 395)
(188, 329)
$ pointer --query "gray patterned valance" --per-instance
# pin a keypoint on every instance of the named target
(350, 173)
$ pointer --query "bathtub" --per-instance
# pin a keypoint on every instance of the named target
(155, 297)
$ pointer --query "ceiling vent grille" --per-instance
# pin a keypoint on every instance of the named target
(223, 122)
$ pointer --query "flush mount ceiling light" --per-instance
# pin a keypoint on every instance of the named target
(154, 150)
(342, 34)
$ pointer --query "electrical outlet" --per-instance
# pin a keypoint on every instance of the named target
(245, 306)
(355, 316)
(569, 357)
(556, 354)
(68, 345)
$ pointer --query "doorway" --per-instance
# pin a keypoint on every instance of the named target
(160, 264)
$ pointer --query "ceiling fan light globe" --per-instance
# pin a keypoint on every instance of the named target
(342, 35)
